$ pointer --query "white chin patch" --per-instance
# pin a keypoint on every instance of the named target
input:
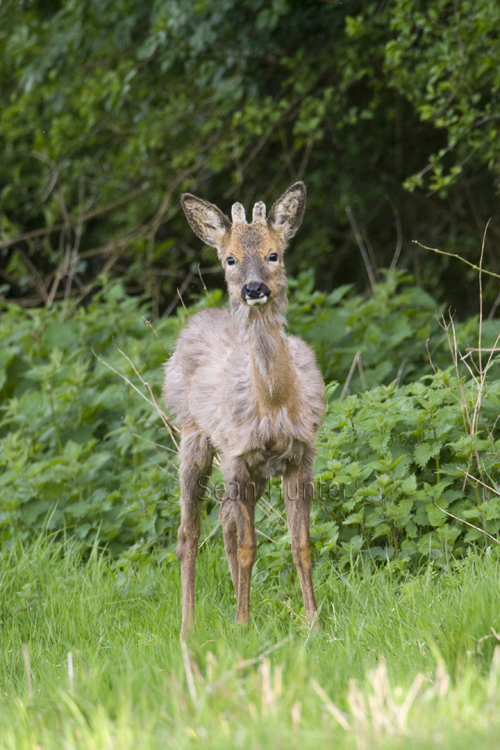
(258, 301)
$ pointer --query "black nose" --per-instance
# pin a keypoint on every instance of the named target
(255, 290)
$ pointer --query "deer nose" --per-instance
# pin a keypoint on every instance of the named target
(255, 291)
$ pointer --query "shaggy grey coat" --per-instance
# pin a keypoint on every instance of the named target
(239, 386)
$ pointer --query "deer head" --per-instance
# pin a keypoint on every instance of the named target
(252, 255)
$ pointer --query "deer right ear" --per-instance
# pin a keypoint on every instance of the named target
(205, 219)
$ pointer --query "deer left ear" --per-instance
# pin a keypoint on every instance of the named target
(286, 214)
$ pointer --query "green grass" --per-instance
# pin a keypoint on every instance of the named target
(398, 662)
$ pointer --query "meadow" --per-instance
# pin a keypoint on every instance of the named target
(92, 658)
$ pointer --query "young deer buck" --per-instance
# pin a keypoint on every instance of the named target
(240, 386)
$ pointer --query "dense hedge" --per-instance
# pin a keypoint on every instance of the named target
(110, 109)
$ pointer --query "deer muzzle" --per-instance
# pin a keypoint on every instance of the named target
(255, 293)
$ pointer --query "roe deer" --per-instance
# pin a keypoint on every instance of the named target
(238, 385)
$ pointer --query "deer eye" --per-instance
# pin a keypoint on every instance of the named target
(230, 261)
(273, 256)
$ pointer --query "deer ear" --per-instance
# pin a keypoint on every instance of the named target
(205, 219)
(286, 214)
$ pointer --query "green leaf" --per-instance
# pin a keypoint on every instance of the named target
(424, 452)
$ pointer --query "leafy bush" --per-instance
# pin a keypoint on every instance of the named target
(394, 462)
(111, 109)
(70, 451)
(385, 334)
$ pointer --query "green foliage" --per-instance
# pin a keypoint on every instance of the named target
(395, 461)
(70, 452)
(81, 451)
(111, 109)
(382, 337)
(443, 58)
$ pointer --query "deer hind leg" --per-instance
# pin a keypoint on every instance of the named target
(238, 524)
(230, 533)
(298, 488)
(196, 455)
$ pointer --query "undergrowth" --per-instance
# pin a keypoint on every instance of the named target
(404, 441)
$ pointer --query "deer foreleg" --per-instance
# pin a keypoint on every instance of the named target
(298, 489)
(189, 532)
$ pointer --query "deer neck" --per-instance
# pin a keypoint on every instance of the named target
(271, 369)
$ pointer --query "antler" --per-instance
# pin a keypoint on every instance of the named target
(259, 212)
(238, 213)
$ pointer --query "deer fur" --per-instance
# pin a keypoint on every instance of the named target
(239, 386)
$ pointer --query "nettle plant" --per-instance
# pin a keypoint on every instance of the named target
(384, 335)
(77, 449)
(411, 472)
